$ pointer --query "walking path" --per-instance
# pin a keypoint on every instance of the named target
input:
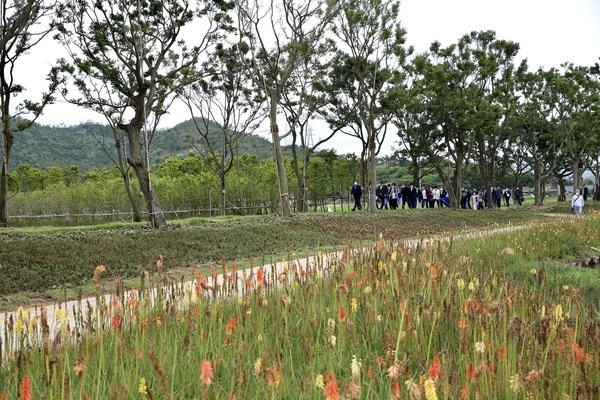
(82, 314)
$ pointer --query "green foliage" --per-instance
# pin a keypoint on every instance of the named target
(445, 319)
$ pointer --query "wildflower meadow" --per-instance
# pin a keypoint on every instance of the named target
(497, 316)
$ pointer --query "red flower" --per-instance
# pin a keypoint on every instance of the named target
(25, 392)
(331, 389)
(470, 371)
(206, 373)
(342, 314)
(435, 369)
(501, 353)
(259, 276)
(231, 325)
(115, 323)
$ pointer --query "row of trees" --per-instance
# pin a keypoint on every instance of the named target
(181, 185)
(347, 62)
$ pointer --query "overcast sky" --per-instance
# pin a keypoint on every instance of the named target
(550, 32)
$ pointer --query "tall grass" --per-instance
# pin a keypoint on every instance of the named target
(490, 318)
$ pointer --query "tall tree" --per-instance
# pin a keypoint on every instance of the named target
(370, 57)
(494, 101)
(300, 104)
(574, 99)
(128, 58)
(533, 131)
(20, 31)
(282, 36)
(226, 97)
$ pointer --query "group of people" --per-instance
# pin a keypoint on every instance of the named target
(391, 196)
(477, 199)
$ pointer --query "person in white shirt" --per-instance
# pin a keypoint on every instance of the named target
(577, 204)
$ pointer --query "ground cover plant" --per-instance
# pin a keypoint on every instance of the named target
(46, 264)
(496, 316)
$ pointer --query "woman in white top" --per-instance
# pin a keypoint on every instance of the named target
(577, 204)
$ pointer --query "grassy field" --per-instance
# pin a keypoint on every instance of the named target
(42, 265)
(495, 315)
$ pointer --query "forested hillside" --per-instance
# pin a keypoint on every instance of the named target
(83, 145)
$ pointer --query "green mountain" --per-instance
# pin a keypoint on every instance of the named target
(83, 145)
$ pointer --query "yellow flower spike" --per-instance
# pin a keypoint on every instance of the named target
(543, 311)
(332, 341)
(319, 253)
(319, 382)
(355, 367)
(33, 325)
(394, 255)
(558, 313)
(354, 305)
(19, 325)
(430, 393)
(258, 367)
(460, 284)
(260, 338)
(143, 388)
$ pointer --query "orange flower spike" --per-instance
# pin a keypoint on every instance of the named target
(25, 391)
(465, 392)
(115, 323)
(501, 353)
(259, 276)
(206, 373)
(273, 376)
(470, 371)
(197, 274)
(395, 390)
(342, 314)
(4, 396)
(435, 369)
(331, 389)
(462, 323)
(231, 325)
(79, 368)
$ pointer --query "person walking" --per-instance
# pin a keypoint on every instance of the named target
(382, 194)
(577, 203)
(356, 192)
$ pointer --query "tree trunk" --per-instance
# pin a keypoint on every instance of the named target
(576, 178)
(562, 196)
(284, 195)
(372, 173)
(136, 160)
(7, 142)
(137, 216)
(223, 193)
(135, 210)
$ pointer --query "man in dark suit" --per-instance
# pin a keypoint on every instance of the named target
(382, 195)
(412, 196)
(356, 192)
(404, 195)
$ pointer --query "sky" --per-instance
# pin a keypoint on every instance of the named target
(550, 32)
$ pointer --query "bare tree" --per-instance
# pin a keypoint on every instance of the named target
(281, 36)
(226, 97)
